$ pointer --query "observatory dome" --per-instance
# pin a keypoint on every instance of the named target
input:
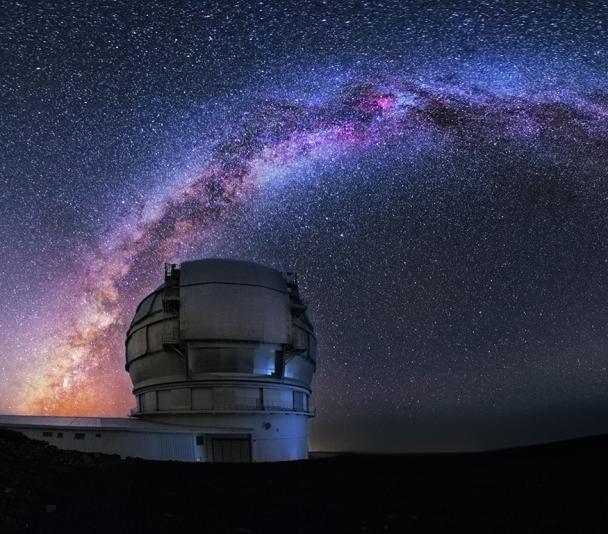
(221, 337)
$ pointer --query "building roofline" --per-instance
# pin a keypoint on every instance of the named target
(119, 424)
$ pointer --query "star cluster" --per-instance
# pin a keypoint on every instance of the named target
(435, 173)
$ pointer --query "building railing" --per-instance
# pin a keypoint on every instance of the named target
(224, 400)
(232, 407)
(255, 404)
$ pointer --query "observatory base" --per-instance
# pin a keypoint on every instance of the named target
(198, 438)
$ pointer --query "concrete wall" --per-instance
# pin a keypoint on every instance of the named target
(147, 445)
(274, 437)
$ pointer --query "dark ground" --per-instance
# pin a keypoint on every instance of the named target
(561, 487)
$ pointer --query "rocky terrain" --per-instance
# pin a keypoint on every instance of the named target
(560, 487)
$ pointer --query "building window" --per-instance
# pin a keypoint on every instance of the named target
(47, 434)
(227, 398)
(59, 434)
(79, 435)
(200, 440)
(202, 399)
(298, 401)
(278, 399)
(97, 435)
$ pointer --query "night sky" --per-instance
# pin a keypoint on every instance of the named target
(436, 172)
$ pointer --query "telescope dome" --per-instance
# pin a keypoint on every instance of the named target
(221, 335)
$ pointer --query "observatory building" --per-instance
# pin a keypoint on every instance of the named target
(221, 357)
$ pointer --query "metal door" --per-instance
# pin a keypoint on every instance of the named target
(231, 449)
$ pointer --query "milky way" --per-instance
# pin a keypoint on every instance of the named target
(444, 152)
(278, 134)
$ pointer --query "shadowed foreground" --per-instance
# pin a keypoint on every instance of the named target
(547, 488)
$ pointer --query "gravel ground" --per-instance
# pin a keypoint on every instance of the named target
(560, 487)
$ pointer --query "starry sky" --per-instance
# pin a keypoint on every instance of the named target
(434, 171)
